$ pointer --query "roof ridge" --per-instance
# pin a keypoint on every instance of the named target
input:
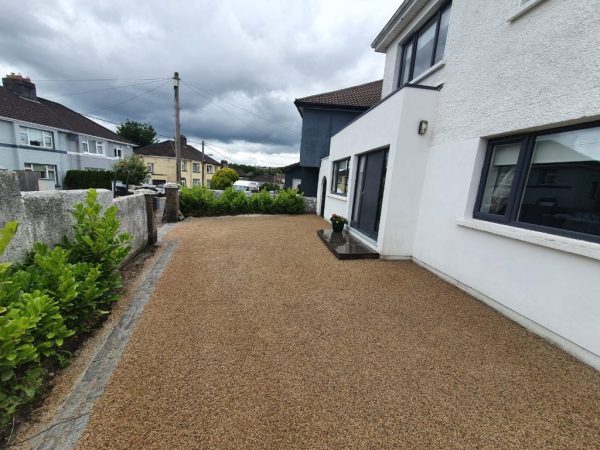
(340, 90)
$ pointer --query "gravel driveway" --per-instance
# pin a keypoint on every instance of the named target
(257, 337)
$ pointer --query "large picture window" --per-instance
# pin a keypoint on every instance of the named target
(547, 181)
(425, 47)
(339, 184)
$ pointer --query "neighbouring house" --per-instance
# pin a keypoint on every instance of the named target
(48, 138)
(323, 115)
(481, 161)
(161, 162)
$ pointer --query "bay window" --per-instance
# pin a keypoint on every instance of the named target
(547, 181)
(425, 47)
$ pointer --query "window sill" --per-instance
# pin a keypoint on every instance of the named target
(428, 72)
(523, 9)
(337, 197)
(561, 243)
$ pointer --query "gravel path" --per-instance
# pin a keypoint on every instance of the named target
(257, 337)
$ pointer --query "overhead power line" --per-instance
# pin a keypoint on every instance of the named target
(212, 97)
(131, 98)
(102, 79)
(103, 89)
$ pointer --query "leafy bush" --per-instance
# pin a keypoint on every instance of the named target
(224, 178)
(199, 201)
(289, 201)
(131, 170)
(54, 296)
(86, 179)
(268, 186)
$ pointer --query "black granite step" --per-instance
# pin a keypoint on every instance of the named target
(345, 246)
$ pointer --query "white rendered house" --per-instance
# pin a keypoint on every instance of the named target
(482, 161)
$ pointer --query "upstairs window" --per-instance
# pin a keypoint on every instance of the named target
(85, 146)
(341, 168)
(100, 147)
(209, 168)
(150, 167)
(547, 181)
(36, 138)
(196, 167)
(119, 152)
(425, 48)
(184, 166)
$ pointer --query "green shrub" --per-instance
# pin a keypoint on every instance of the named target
(86, 179)
(199, 201)
(97, 240)
(56, 294)
(232, 202)
(261, 203)
(289, 201)
(224, 178)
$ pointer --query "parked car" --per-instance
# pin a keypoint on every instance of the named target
(246, 186)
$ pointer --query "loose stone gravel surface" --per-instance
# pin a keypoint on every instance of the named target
(257, 337)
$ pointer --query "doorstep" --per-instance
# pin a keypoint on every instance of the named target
(345, 246)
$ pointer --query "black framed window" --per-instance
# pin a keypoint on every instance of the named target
(425, 47)
(547, 181)
(341, 169)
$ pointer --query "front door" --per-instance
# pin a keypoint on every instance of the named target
(368, 194)
(323, 193)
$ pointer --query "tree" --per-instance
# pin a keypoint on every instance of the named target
(135, 167)
(141, 133)
(223, 178)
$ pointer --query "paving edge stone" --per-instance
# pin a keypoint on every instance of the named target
(72, 418)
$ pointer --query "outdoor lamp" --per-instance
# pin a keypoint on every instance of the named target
(423, 124)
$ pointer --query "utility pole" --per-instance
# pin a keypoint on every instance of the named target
(177, 129)
(203, 169)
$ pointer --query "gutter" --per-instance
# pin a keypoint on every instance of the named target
(397, 17)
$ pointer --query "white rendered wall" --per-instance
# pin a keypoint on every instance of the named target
(502, 77)
(394, 124)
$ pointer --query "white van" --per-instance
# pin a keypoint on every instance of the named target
(246, 186)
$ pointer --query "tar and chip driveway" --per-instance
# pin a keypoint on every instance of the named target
(257, 337)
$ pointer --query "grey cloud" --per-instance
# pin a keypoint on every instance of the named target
(258, 55)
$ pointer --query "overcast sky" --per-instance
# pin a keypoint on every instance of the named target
(242, 62)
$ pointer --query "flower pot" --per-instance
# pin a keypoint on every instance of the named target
(337, 227)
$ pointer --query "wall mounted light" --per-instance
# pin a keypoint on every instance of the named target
(423, 125)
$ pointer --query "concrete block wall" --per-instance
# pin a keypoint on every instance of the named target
(46, 216)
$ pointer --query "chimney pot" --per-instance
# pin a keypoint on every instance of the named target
(20, 85)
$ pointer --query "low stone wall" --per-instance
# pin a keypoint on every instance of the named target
(46, 216)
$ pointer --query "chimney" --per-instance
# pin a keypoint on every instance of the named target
(20, 85)
(224, 163)
(182, 140)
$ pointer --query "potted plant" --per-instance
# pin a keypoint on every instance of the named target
(338, 222)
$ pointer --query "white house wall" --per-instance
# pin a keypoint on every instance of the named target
(394, 124)
(500, 76)
(510, 81)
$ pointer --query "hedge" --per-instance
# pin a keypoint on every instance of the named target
(200, 201)
(53, 300)
(86, 179)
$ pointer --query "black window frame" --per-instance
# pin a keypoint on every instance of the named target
(510, 217)
(414, 37)
(334, 177)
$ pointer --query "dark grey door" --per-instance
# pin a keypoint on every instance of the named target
(323, 194)
(368, 194)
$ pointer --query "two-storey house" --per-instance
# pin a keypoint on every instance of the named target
(323, 115)
(481, 161)
(161, 161)
(46, 137)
